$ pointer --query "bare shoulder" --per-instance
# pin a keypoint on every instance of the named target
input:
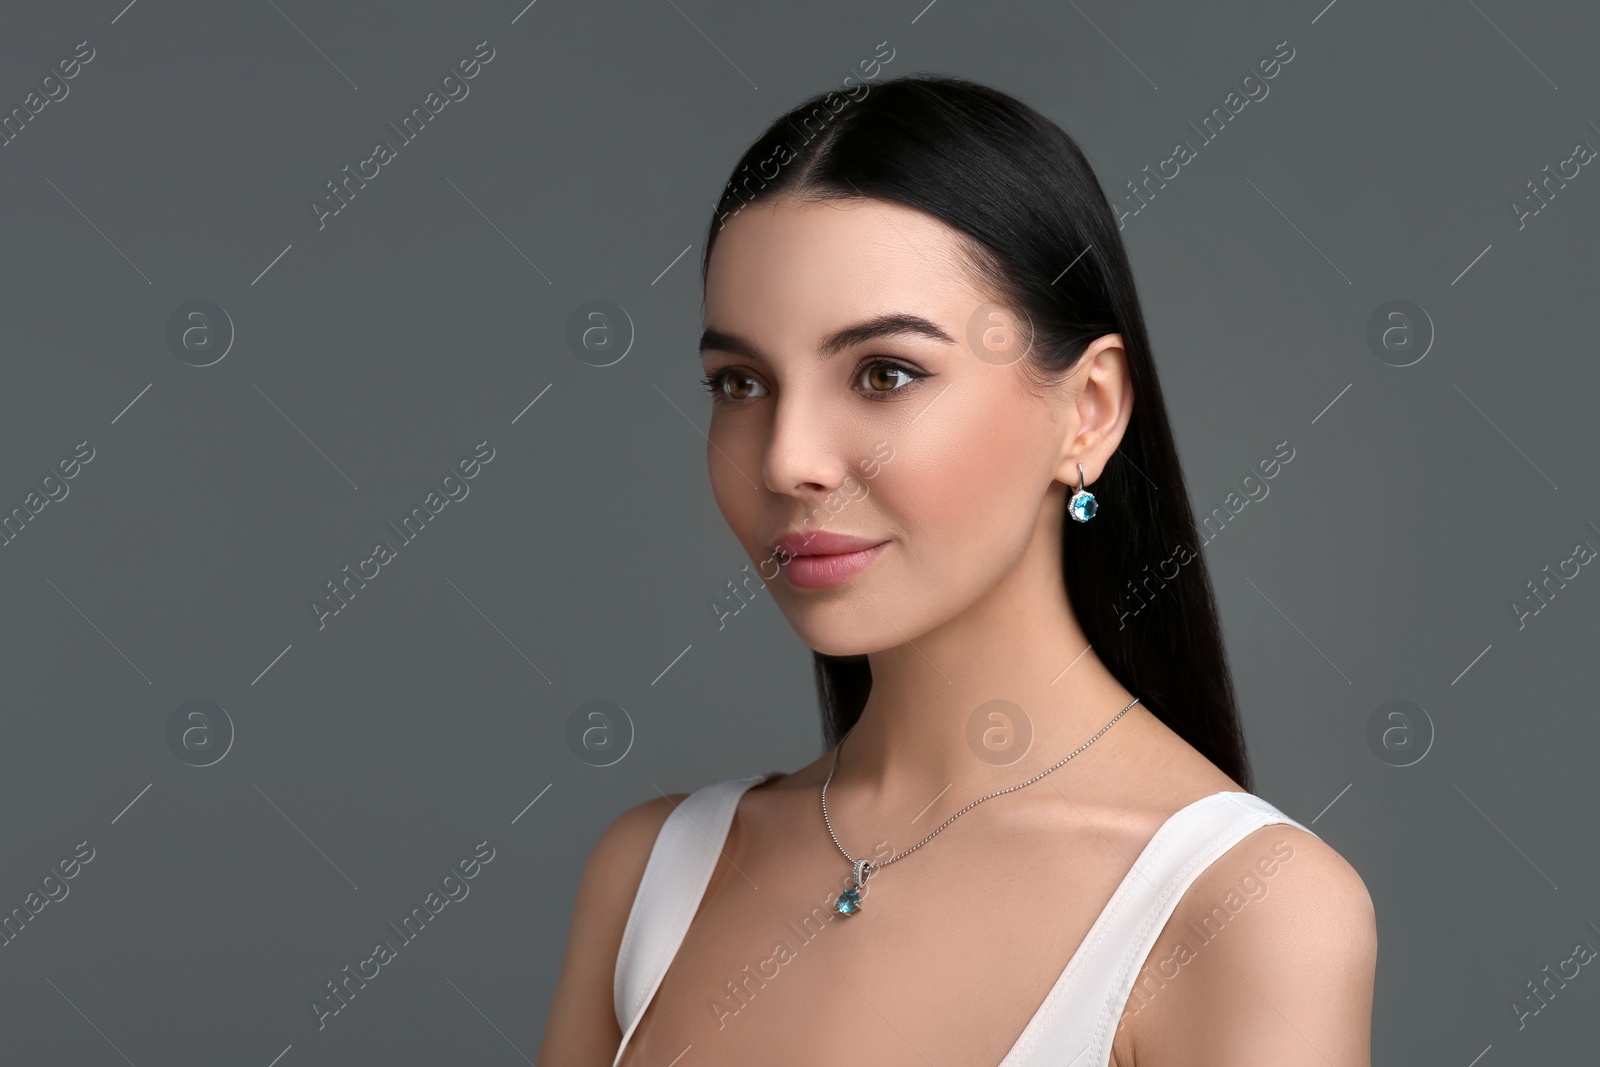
(1269, 957)
(615, 867)
(582, 1028)
(1301, 889)
(624, 847)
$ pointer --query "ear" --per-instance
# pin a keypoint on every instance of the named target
(1099, 395)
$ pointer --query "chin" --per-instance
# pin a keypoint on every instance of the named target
(840, 629)
(845, 647)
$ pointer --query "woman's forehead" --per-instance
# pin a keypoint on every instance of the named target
(818, 265)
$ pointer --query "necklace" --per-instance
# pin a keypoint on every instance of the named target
(849, 901)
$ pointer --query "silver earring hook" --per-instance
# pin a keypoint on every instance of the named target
(1082, 506)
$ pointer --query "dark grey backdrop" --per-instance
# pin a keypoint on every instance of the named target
(351, 765)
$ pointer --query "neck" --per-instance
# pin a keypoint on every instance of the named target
(984, 701)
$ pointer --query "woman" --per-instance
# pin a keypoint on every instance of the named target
(1031, 840)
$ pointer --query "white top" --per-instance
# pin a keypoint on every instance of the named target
(1079, 1016)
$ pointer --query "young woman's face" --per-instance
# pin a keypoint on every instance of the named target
(863, 387)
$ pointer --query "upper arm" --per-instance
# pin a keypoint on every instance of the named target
(582, 1029)
(1280, 949)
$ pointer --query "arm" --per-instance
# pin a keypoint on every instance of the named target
(582, 1028)
(1288, 981)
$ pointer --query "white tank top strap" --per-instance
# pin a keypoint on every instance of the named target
(675, 879)
(1078, 1019)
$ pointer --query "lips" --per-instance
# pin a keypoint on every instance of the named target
(823, 560)
(819, 543)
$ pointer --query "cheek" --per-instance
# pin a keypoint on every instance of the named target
(736, 498)
(966, 482)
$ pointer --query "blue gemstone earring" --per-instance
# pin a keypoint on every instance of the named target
(1082, 505)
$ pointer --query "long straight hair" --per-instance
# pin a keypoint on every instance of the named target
(1040, 231)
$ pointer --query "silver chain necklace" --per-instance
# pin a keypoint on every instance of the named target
(849, 901)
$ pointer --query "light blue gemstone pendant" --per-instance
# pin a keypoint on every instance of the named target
(849, 901)
(1082, 505)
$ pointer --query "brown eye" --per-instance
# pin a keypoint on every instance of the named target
(741, 385)
(894, 376)
(718, 385)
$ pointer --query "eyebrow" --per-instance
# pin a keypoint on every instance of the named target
(887, 325)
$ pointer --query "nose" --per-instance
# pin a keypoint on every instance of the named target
(804, 452)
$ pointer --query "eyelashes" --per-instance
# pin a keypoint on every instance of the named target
(715, 382)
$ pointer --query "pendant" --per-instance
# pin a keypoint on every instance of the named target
(849, 901)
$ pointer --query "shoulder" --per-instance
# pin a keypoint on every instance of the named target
(620, 856)
(1304, 886)
(612, 873)
(1268, 957)
(582, 1026)
(617, 861)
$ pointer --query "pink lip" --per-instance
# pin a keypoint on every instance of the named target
(825, 563)
(819, 543)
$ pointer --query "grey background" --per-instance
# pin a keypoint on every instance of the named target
(431, 712)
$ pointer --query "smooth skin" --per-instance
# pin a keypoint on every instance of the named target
(958, 943)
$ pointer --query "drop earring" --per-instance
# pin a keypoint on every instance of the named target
(1082, 505)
